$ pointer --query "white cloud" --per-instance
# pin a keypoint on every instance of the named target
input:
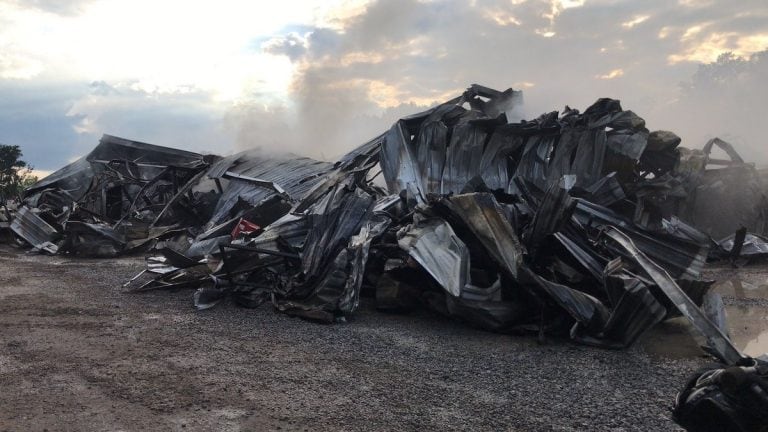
(502, 17)
(545, 33)
(615, 73)
(16, 66)
(324, 76)
(635, 21)
(707, 48)
(167, 45)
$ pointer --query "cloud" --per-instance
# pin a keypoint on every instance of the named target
(180, 119)
(709, 47)
(615, 73)
(351, 79)
(54, 122)
(502, 18)
(291, 45)
(57, 7)
(19, 67)
(320, 80)
(635, 21)
(32, 116)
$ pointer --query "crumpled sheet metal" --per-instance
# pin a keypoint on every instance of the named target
(35, 230)
(581, 306)
(108, 202)
(434, 245)
(74, 178)
(483, 216)
(752, 245)
(116, 148)
(442, 149)
(359, 248)
(255, 175)
(680, 256)
(338, 239)
(719, 343)
(634, 312)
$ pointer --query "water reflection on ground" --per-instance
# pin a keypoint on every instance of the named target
(747, 322)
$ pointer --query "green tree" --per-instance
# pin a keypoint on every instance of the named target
(15, 174)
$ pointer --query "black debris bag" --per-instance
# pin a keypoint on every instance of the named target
(725, 399)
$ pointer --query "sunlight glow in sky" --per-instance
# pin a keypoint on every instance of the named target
(159, 47)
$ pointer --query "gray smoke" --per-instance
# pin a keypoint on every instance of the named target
(725, 99)
(401, 56)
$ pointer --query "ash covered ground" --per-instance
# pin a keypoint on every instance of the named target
(79, 353)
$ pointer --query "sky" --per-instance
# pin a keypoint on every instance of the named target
(319, 78)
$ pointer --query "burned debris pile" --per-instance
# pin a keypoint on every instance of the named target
(582, 225)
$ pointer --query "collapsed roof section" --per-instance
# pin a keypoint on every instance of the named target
(125, 195)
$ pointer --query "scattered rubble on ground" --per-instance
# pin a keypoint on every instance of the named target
(579, 225)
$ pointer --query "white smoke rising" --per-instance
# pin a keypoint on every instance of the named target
(355, 81)
(725, 99)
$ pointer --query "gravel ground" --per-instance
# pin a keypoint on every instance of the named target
(77, 353)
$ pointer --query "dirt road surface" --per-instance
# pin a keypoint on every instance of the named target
(77, 353)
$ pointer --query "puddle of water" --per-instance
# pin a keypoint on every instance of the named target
(671, 339)
(749, 328)
(747, 324)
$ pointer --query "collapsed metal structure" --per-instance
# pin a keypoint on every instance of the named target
(582, 225)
